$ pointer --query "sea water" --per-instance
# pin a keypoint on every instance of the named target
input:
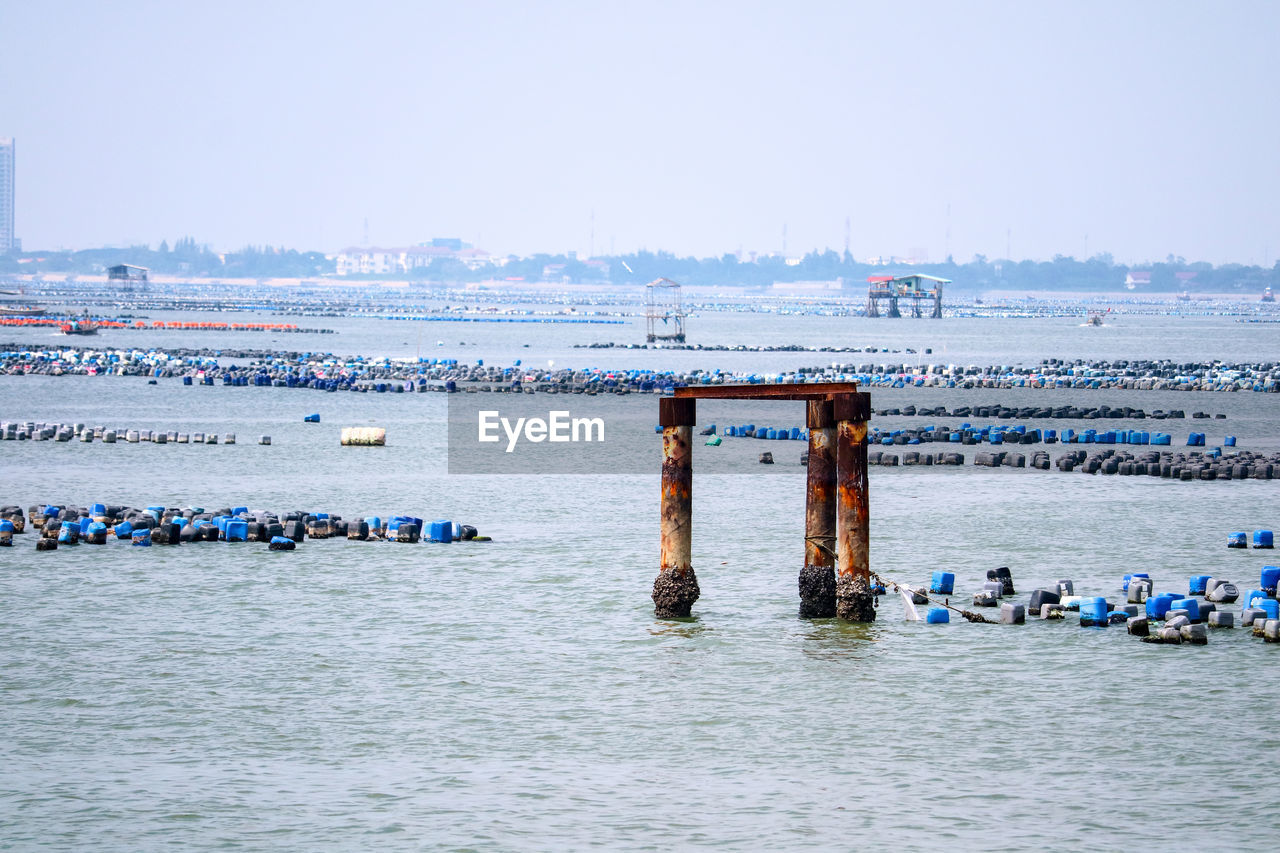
(520, 694)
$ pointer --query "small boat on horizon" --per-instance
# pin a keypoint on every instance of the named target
(79, 327)
(21, 311)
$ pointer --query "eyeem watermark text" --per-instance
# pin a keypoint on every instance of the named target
(559, 426)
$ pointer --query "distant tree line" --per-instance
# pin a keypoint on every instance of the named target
(187, 257)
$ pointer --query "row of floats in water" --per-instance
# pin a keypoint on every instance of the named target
(968, 434)
(103, 323)
(995, 410)
(1136, 375)
(99, 523)
(1212, 464)
(62, 432)
(1167, 617)
(1195, 465)
(313, 370)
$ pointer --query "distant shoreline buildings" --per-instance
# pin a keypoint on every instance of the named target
(375, 261)
(7, 241)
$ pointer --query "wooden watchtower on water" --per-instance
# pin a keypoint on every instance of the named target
(836, 577)
(915, 288)
(662, 302)
(126, 276)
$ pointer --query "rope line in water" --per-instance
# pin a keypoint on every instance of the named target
(967, 614)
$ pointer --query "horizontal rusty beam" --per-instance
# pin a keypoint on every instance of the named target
(778, 391)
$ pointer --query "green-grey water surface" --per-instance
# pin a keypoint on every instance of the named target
(519, 694)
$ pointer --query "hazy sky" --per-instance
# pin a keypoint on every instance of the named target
(1136, 128)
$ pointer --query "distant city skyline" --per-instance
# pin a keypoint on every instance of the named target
(7, 240)
(1004, 129)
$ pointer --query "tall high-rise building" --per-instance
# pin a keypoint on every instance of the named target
(6, 195)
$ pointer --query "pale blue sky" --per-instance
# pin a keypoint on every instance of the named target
(696, 127)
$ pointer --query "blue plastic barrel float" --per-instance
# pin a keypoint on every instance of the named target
(441, 530)
(1093, 611)
(1263, 539)
(1190, 605)
(1158, 605)
(943, 583)
(142, 538)
(1134, 576)
(1270, 577)
(1197, 584)
(312, 418)
(1237, 539)
(1251, 598)
(237, 530)
(937, 616)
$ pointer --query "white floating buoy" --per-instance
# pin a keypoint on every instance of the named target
(364, 436)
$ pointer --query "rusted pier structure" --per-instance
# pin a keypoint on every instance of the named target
(818, 577)
(835, 579)
(676, 587)
(854, 601)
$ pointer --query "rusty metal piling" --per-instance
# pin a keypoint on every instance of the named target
(854, 601)
(676, 587)
(817, 576)
(836, 578)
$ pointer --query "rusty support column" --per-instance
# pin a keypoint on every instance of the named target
(854, 601)
(676, 587)
(818, 577)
